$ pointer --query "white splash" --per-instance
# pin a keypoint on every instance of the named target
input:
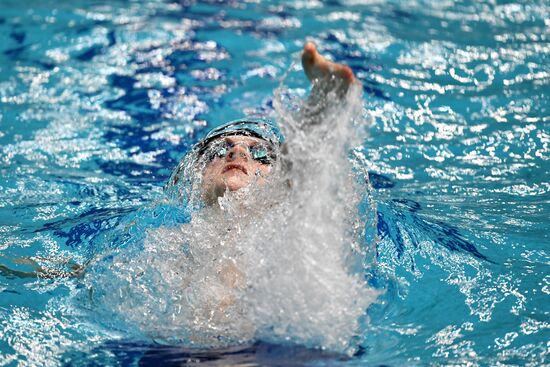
(281, 261)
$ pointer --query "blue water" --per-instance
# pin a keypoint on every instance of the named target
(99, 100)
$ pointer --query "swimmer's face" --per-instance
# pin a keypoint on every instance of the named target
(233, 163)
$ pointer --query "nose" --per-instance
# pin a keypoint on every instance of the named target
(237, 151)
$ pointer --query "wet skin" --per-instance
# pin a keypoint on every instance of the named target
(318, 67)
(235, 170)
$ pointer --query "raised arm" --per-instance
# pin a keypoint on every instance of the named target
(331, 82)
(318, 69)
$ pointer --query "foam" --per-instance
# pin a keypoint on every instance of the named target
(281, 262)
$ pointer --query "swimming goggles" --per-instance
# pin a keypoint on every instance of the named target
(260, 152)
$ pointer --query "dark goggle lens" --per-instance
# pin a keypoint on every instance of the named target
(259, 152)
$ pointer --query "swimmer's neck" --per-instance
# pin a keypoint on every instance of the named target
(229, 202)
(240, 206)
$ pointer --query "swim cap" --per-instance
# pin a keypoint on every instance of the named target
(255, 127)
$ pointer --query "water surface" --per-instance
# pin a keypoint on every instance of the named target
(99, 101)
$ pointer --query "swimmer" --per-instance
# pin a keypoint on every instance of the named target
(235, 155)
(210, 267)
(243, 154)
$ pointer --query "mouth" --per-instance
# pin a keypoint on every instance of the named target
(238, 167)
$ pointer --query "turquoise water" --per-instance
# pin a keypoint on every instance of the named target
(99, 101)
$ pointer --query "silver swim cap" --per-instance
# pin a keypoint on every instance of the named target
(254, 127)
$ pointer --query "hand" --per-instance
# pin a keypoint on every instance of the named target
(318, 67)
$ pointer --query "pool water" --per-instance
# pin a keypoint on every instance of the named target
(99, 101)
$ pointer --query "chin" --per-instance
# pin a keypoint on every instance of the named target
(236, 183)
